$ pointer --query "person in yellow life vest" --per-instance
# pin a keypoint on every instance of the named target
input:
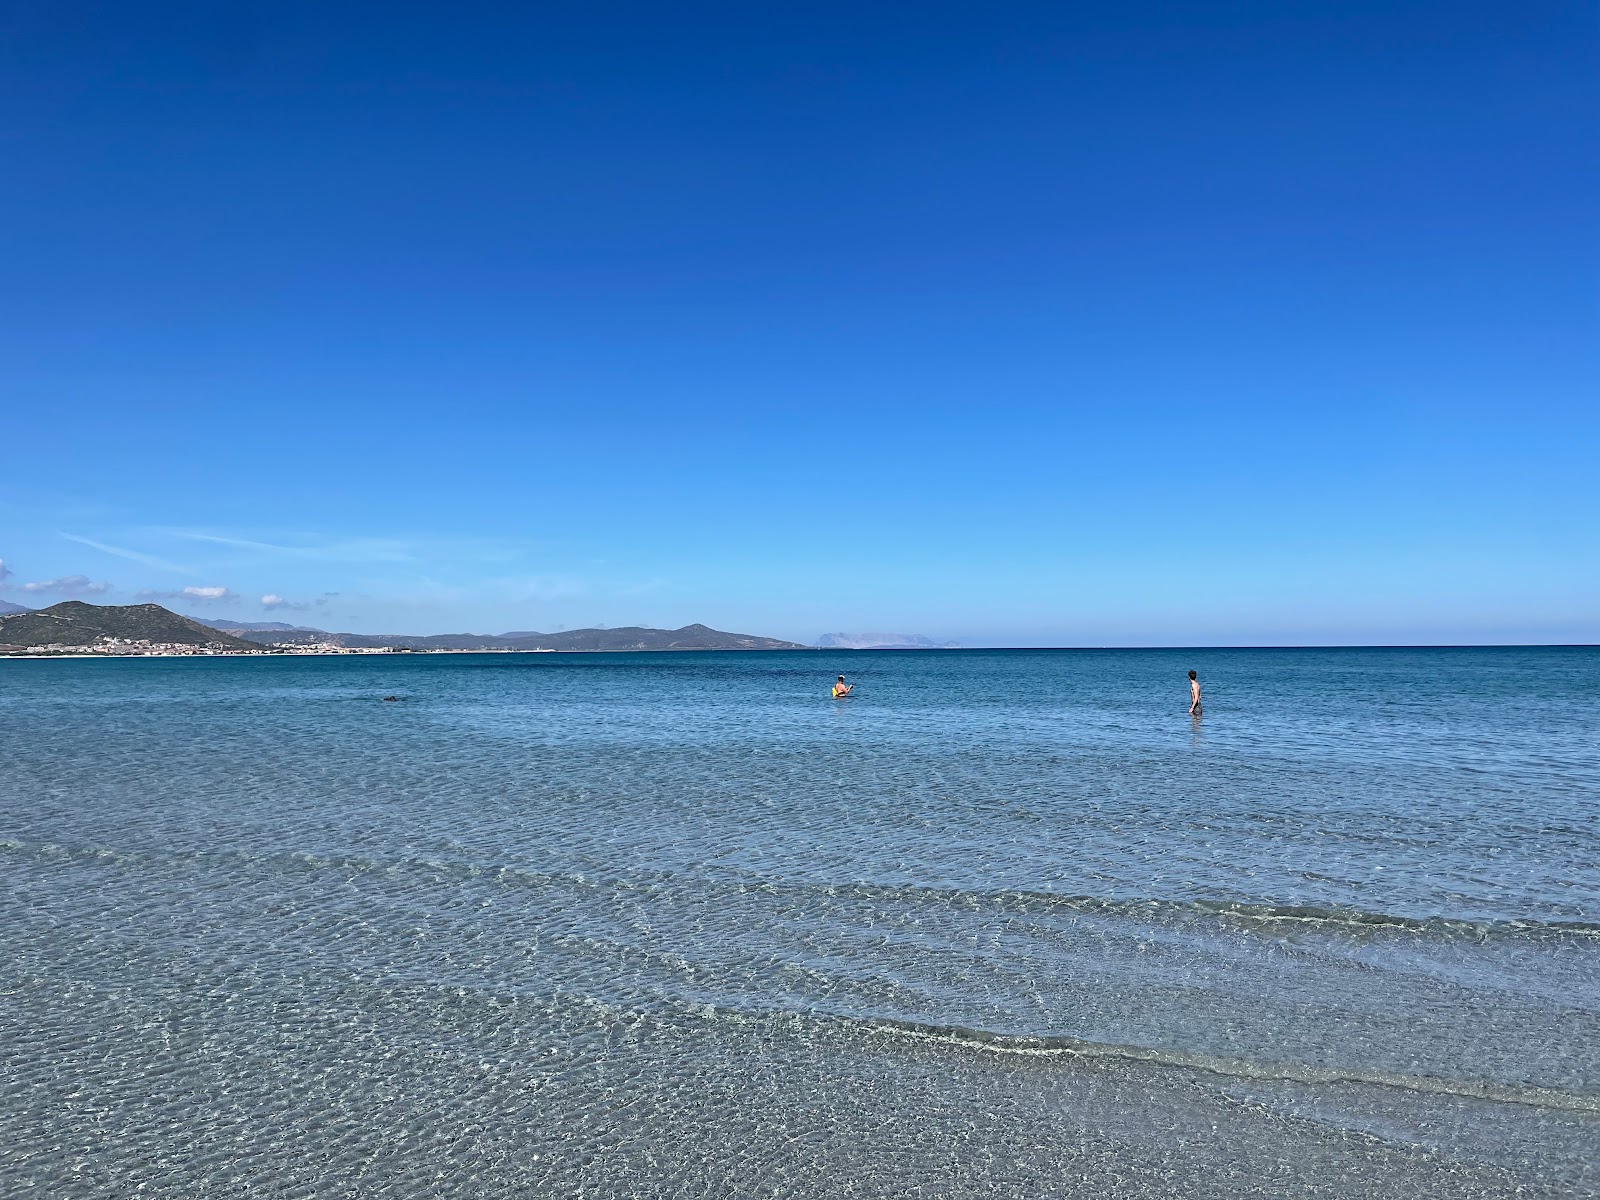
(841, 688)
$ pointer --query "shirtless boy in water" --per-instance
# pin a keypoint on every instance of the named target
(841, 688)
(1194, 695)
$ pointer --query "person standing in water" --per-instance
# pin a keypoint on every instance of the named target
(1194, 694)
(841, 688)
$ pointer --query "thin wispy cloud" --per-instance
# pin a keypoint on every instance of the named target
(548, 587)
(348, 550)
(5, 572)
(640, 589)
(138, 556)
(235, 543)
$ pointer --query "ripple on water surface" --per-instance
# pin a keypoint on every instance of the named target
(657, 925)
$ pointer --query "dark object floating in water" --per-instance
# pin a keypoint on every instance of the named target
(391, 698)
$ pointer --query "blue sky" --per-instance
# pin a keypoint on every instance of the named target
(1011, 323)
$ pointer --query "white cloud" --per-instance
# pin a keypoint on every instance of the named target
(274, 601)
(202, 595)
(5, 572)
(69, 585)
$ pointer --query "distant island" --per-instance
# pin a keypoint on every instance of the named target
(74, 627)
(880, 641)
(631, 637)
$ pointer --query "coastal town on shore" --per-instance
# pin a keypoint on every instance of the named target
(141, 648)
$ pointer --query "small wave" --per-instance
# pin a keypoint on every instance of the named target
(1240, 911)
(990, 1041)
(617, 1010)
(1247, 914)
(987, 1041)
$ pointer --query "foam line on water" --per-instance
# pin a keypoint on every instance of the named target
(1049, 1046)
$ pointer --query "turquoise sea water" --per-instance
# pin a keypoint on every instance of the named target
(1005, 923)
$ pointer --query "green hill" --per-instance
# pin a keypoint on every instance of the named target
(74, 623)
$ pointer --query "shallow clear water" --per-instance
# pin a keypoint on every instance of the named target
(1004, 923)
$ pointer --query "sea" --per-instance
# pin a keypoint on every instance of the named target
(1004, 923)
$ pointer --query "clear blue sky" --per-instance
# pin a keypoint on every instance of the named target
(1014, 323)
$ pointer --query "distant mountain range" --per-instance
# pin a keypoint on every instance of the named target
(256, 626)
(633, 637)
(74, 623)
(880, 641)
(7, 608)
